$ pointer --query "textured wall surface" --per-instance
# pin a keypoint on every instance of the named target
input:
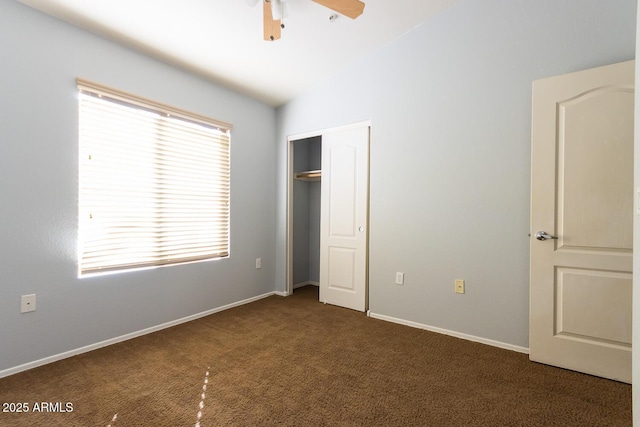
(41, 58)
(450, 110)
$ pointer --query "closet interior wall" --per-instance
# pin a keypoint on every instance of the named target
(306, 213)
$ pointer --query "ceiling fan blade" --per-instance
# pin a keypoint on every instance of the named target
(277, 11)
(350, 8)
(271, 27)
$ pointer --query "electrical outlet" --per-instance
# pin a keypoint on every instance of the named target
(258, 263)
(399, 278)
(459, 286)
(28, 303)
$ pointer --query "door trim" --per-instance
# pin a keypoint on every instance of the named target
(291, 139)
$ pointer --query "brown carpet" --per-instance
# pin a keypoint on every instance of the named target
(296, 362)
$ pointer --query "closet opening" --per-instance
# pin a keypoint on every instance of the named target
(305, 181)
(328, 214)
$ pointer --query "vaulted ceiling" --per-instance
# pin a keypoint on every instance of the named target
(222, 40)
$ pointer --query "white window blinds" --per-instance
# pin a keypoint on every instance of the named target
(153, 185)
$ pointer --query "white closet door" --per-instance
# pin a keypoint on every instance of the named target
(344, 218)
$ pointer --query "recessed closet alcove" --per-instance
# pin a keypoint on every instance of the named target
(328, 214)
(307, 162)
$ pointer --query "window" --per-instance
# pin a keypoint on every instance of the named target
(153, 184)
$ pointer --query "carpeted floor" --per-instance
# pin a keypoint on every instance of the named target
(296, 362)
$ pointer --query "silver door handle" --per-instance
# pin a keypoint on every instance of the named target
(542, 235)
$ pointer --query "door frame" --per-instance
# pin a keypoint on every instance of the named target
(291, 139)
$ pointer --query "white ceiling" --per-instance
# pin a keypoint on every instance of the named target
(222, 39)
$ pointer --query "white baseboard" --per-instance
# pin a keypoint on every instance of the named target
(467, 337)
(70, 353)
(296, 286)
(301, 284)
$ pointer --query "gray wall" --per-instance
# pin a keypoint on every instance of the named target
(41, 57)
(300, 240)
(306, 213)
(315, 162)
(449, 103)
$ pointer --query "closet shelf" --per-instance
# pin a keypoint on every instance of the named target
(309, 175)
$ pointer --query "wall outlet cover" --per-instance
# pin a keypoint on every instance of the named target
(28, 303)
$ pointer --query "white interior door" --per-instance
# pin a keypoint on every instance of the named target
(344, 218)
(582, 214)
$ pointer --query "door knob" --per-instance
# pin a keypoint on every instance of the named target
(542, 235)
